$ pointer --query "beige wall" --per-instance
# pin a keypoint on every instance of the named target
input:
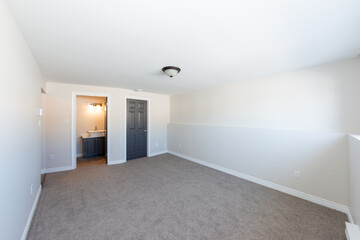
(269, 127)
(59, 117)
(20, 152)
(321, 98)
(87, 120)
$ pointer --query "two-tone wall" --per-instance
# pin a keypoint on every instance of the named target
(265, 129)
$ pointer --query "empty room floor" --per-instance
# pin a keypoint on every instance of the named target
(166, 197)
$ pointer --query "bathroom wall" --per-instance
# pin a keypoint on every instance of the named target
(87, 120)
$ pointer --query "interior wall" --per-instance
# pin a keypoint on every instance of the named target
(321, 98)
(270, 127)
(43, 131)
(271, 154)
(20, 152)
(87, 120)
(59, 115)
(354, 177)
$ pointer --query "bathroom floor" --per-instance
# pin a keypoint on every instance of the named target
(91, 161)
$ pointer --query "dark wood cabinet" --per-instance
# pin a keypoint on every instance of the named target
(94, 147)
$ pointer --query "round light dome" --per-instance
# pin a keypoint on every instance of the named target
(171, 70)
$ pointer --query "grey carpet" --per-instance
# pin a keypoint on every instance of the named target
(166, 197)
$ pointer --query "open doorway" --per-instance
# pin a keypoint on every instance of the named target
(91, 130)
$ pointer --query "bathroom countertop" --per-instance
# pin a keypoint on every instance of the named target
(88, 136)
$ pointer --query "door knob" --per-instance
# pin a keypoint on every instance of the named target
(145, 130)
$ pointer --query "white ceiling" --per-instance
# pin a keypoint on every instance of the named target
(126, 43)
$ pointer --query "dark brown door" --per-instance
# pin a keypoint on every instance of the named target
(136, 129)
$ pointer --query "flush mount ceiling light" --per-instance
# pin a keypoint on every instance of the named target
(171, 70)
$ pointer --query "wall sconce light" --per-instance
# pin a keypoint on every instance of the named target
(94, 107)
(171, 70)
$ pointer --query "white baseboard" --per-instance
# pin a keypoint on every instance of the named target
(57, 169)
(79, 155)
(348, 213)
(28, 223)
(113, 162)
(42, 171)
(352, 231)
(157, 153)
(290, 191)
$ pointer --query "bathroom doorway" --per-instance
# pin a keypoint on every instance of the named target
(91, 130)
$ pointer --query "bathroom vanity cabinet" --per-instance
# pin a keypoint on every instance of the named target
(94, 146)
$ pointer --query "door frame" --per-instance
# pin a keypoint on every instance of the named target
(73, 124)
(148, 124)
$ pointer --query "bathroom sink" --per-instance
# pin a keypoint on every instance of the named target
(97, 133)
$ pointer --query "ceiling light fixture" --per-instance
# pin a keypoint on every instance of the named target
(94, 107)
(171, 70)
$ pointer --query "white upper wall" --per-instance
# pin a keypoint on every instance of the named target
(20, 156)
(59, 120)
(126, 43)
(320, 98)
